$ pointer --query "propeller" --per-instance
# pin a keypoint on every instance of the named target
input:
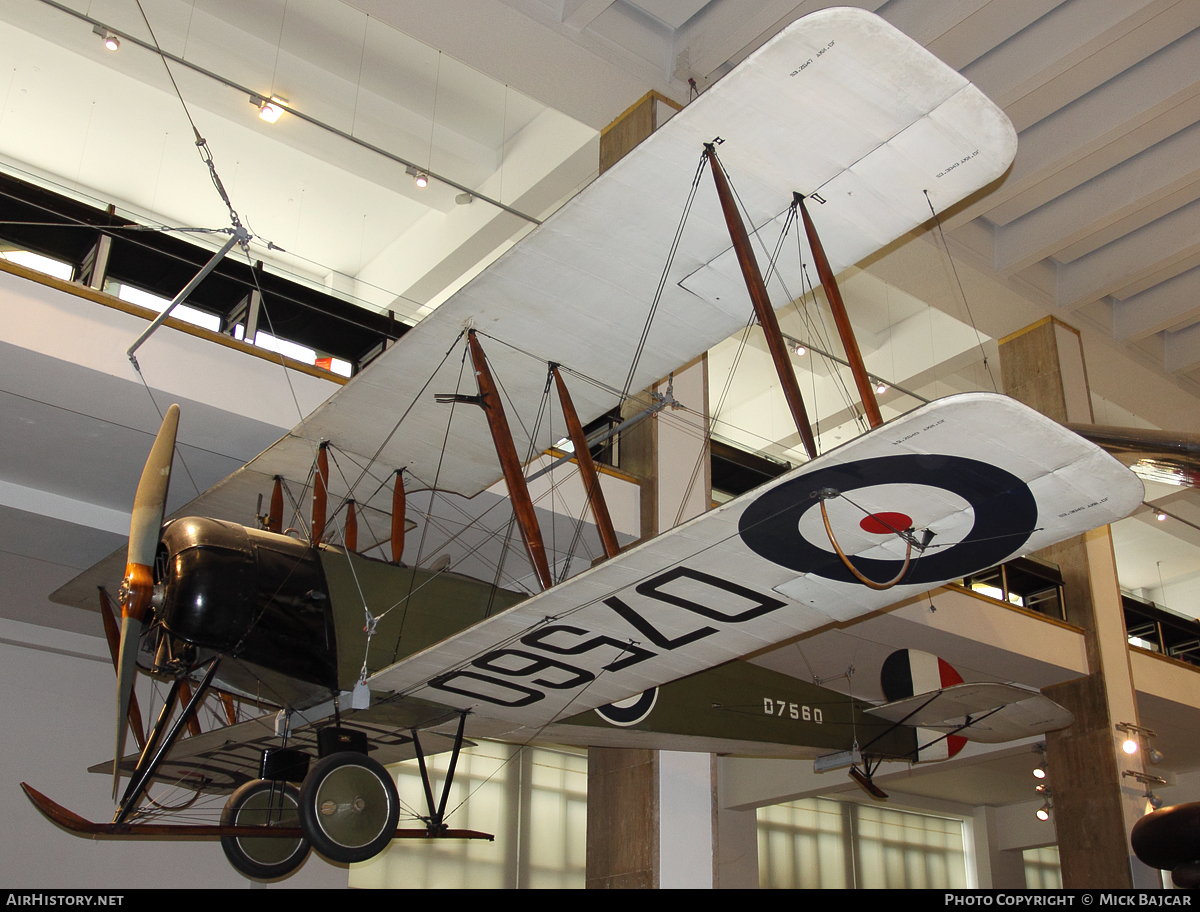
(138, 585)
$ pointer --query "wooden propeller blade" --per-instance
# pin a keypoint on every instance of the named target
(149, 503)
(112, 633)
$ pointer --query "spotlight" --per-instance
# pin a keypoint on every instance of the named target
(464, 199)
(269, 109)
(801, 350)
(1160, 516)
(1155, 801)
(1039, 771)
(1154, 755)
(881, 388)
(420, 178)
(1133, 738)
(1043, 813)
(111, 41)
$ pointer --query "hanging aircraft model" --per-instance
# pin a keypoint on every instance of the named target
(839, 106)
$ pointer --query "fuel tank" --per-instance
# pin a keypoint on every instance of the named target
(256, 596)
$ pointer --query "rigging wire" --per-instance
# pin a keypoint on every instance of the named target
(662, 282)
(958, 280)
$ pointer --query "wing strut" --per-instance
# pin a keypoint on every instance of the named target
(762, 303)
(518, 490)
(320, 493)
(399, 503)
(587, 468)
(865, 391)
(436, 821)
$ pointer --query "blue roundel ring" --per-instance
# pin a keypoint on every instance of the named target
(1005, 516)
(632, 711)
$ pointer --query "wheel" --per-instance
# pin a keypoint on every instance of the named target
(349, 807)
(259, 803)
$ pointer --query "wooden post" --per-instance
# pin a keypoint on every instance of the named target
(587, 468)
(866, 392)
(275, 517)
(399, 507)
(506, 452)
(762, 304)
(351, 536)
(320, 494)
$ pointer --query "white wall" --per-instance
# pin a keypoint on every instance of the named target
(57, 721)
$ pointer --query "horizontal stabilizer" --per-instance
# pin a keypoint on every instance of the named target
(991, 713)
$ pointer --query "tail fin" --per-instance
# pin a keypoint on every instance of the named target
(908, 672)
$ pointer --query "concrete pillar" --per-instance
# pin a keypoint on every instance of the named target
(1094, 810)
(650, 813)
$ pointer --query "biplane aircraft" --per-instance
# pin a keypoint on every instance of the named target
(840, 123)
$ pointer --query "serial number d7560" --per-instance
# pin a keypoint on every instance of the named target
(785, 710)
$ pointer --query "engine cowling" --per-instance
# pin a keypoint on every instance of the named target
(257, 596)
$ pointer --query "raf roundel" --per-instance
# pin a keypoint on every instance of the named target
(1004, 512)
(631, 711)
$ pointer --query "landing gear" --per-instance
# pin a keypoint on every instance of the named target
(264, 803)
(349, 807)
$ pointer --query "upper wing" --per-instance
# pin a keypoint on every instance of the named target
(992, 713)
(988, 476)
(840, 102)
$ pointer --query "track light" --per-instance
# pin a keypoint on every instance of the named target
(1039, 771)
(269, 109)
(420, 178)
(111, 41)
(1133, 739)
(881, 388)
(1160, 516)
(1043, 813)
(801, 351)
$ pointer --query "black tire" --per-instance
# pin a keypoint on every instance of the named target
(258, 803)
(349, 807)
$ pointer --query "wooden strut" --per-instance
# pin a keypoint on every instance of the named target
(399, 506)
(833, 295)
(518, 490)
(350, 539)
(320, 493)
(275, 517)
(587, 468)
(762, 304)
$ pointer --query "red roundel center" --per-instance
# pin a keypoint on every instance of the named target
(886, 523)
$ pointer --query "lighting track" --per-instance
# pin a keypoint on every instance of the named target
(229, 83)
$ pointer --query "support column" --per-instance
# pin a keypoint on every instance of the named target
(1042, 366)
(636, 837)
